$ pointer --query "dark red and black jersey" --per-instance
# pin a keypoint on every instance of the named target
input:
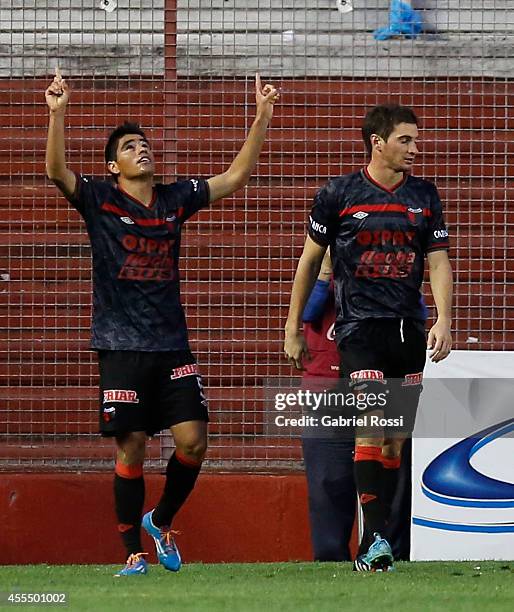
(135, 252)
(320, 339)
(378, 239)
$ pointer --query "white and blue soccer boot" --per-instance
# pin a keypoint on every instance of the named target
(167, 551)
(379, 557)
(135, 566)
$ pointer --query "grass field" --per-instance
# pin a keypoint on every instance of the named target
(417, 587)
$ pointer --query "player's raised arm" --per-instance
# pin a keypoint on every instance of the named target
(57, 96)
(295, 347)
(238, 175)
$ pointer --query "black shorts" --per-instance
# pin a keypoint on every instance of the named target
(387, 356)
(149, 391)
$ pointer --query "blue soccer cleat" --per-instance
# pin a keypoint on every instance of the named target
(404, 22)
(136, 566)
(379, 557)
(167, 551)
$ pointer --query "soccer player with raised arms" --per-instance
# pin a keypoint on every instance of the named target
(380, 223)
(149, 379)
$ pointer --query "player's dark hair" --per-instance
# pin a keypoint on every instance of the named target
(383, 119)
(111, 147)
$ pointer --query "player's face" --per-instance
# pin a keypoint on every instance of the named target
(134, 157)
(400, 149)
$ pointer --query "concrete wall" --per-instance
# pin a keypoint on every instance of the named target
(229, 518)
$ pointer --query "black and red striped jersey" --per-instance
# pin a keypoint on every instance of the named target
(135, 254)
(378, 239)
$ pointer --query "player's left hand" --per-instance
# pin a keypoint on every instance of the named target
(265, 97)
(439, 341)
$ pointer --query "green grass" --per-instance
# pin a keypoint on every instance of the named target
(266, 587)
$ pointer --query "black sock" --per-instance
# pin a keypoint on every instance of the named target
(181, 475)
(390, 475)
(129, 497)
(368, 476)
(366, 541)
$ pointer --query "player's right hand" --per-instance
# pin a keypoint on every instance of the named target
(58, 94)
(295, 349)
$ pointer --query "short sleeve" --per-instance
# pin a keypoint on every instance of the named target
(323, 219)
(85, 196)
(437, 235)
(194, 195)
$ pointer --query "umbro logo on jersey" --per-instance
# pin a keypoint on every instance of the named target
(170, 219)
(127, 220)
(360, 215)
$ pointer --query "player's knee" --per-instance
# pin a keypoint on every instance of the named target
(193, 449)
(132, 448)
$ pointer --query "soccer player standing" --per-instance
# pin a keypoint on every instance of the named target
(149, 379)
(380, 223)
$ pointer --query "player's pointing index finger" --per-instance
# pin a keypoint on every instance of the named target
(58, 72)
(258, 85)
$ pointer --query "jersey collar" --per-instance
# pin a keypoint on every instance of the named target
(392, 189)
(138, 202)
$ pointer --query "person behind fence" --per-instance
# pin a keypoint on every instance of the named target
(380, 223)
(328, 458)
(404, 22)
(149, 379)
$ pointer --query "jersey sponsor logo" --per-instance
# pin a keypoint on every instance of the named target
(385, 237)
(190, 369)
(441, 233)
(318, 227)
(149, 259)
(195, 184)
(360, 215)
(331, 335)
(367, 375)
(380, 264)
(412, 379)
(127, 220)
(122, 396)
(146, 245)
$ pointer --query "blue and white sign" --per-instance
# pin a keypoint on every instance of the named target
(463, 488)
